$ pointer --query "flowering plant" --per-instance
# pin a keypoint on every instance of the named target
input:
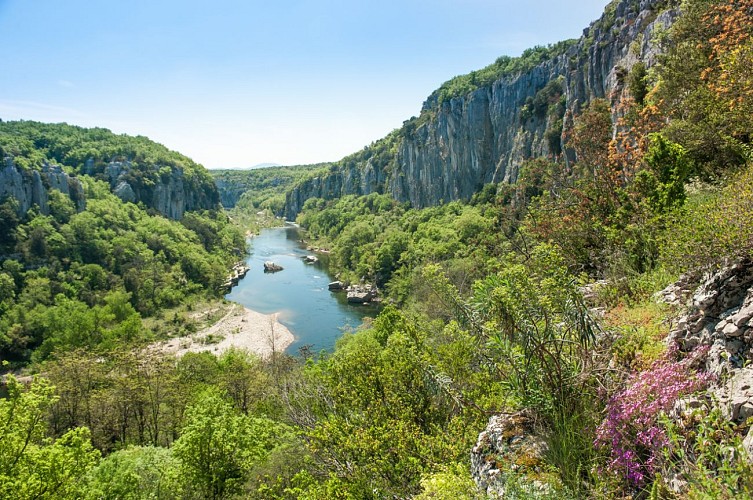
(631, 429)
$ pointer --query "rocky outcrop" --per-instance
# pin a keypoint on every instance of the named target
(32, 187)
(458, 145)
(508, 447)
(237, 273)
(720, 318)
(170, 192)
(720, 315)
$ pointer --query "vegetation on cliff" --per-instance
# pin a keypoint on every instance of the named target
(89, 150)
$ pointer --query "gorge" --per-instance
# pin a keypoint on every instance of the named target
(562, 242)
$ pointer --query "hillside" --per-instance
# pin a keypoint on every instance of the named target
(266, 187)
(37, 156)
(89, 244)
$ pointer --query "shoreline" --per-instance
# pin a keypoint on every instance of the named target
(240, 328)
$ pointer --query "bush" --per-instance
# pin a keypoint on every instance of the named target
(632, 432)
(715, 226)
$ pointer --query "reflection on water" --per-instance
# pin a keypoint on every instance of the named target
(298, 293)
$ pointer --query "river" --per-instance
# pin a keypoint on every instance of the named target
(299, 292)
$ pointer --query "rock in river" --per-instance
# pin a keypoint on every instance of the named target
(361, 294)
(336, 286)
(271, 267)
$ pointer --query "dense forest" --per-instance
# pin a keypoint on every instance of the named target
(255, 198)
(533, 306)
(262, 188)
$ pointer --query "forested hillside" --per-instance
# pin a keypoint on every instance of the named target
(138, 170)
(81, 266)
(262, 188)
(581, 329)
(594, 397)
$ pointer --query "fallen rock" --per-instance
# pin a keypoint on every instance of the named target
(271, 267)
(719, 319)
(361, 294)
(336, 286)
(719, 316)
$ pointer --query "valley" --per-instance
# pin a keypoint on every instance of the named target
(561, 245)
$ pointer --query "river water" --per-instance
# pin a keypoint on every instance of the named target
(316, 316)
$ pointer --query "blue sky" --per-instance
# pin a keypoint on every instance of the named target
(236, 83)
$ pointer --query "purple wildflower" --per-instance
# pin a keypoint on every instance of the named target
(631, 429)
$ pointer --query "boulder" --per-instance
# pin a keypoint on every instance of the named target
(359, 297)
(310, 259)
(271, 267)
(361, 294)
(508, 446)
(336, 286)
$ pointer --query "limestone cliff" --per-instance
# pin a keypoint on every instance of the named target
(167, 190)
(137, 169)
(460, 143)
(31, 187)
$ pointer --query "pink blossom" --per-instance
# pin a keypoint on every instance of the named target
(631, 429)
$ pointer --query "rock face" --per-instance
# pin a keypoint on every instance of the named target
(460, 144)
(31, 187)
(720, 317)
(237, 273)
(229, 192)
(171, 193)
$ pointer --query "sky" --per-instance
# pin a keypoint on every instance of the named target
(233, 83)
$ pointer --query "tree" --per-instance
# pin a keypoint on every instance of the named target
(637, 82)
(537, 333)
(9, 221)
(218, 446)
(61, 206)
(705, 82)
(136, 473)
(31, 465)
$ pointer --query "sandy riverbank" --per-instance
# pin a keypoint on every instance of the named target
(241, 328)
